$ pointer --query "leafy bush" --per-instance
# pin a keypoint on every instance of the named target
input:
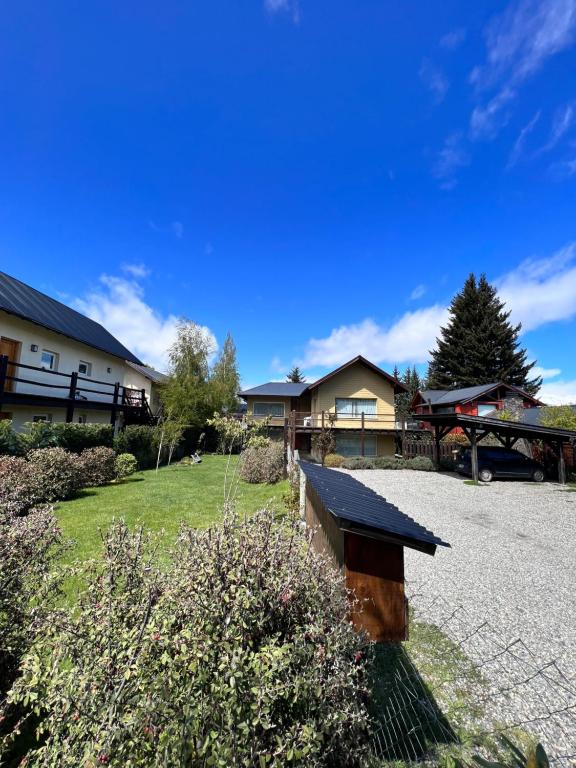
(97, 466)
(78, 437)
(333, 460)
(358, 462)
(389, 462)
(263, 464)
(239, 654)
(41, 434)
(421, 463)
(10, 442)
(141, 441)
(58, 471)
(21, 486)
(125, 465)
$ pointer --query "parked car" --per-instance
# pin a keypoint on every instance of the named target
(496, 462)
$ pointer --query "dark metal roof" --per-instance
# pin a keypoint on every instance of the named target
(276, 389)
(464, 394)
(502, 427)
(358, 508)
(150, 373)
(533, 415)
(26, 302)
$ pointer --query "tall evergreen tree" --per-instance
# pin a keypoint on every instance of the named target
(225, 379)
(296, 376)
(480, 345)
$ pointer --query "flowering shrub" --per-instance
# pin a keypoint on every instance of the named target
(263, 464)
(125, 465)
(333, 460)
(97, 466)
(21, 486)
(58, 472)
(240, 654)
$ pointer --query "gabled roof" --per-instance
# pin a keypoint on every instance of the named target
(150, 373)
(398, 386)
(465, 394)
(361, 510)
(26, 302)
(276, 389)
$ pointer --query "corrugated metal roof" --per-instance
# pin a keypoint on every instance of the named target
(26, 302)
(150, 373)
(450, 396)
(276, 389)
(351, 501)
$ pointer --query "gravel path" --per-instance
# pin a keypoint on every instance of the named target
(512, 559)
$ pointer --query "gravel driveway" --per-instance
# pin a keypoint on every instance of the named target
(512, 559)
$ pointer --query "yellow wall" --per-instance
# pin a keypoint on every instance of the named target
(361, 382)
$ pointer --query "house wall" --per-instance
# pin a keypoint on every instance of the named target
(274, 422)
(21, 415)
(358, 381)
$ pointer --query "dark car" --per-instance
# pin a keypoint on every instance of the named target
(496, 462)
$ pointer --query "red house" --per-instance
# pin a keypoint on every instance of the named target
(481, 400)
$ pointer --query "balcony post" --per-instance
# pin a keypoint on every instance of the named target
(285, 446)
(293, 433)
(322, 420)
(362, 435)
(3, 374)
(72, 397)
(115, 397)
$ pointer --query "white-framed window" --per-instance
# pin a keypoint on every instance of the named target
(49, 360)
(84, 368)
(350, 445)
(275, 410)
(42, 417)
(353, 407)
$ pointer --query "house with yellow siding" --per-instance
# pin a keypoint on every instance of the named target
(356, 401)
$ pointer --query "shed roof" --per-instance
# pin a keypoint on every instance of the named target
(465, 394)
(26, 302)
(360, 509)
(534, 415)
(518, 429)
(276, 389)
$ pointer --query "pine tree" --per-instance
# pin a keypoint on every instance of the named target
(296, 376)
(479, 345)
(225, 379)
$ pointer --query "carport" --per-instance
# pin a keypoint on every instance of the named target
(476, 428)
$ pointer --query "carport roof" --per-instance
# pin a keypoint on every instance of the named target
(361, 510)
(516, 429)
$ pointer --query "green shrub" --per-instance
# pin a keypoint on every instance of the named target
(263, 464)
(10, 441)
(389, 462)
(77, 437)
(421, 463)
(358, 462)
(21, 486)
(333, 460)
(40, 434)
(141, 441)
(125, 465)
(240, 654)
(97, 466)
(59, 472)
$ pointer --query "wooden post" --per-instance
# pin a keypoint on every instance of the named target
(3, 374)
(322, 420)
(143, 404)
(474, 457)
(72, 397)
(293, 432)
(115, 397)
(362, 436)
(561, 465)
(285, 446)
(437, 446)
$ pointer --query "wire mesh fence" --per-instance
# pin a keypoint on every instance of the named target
(460, 681)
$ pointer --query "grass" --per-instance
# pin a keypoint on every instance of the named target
(160, 501)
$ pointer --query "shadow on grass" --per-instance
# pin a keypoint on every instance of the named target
(409, 722)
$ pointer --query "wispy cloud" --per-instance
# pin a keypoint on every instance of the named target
(453, 39)
(451, 158)
(119, 305)
(562, 121)
(558, 392)
(175, 228)
(418, 292)
(520, 143)
(518, 43)
(291, 7)
(137, 271)
(538, 291)
(546, 373)
(435, 80)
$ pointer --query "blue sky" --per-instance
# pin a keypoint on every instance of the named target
(317, 178)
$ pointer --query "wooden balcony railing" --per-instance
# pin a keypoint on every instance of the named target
(22, 384)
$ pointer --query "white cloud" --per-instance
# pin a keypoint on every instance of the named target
(518, 148)
(541, 291)
(453, 39)
(418, 292)
(561, 124)
(558, 393)
(451, 158)
(546, 373)
(435, 80)
(137, 271)
(407, 340)
(177, 229)
(291, 7)
(486, 121)
(118, 304)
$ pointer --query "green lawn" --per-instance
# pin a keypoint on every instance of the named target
(190, 494)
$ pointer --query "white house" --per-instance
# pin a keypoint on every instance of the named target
(58, 365)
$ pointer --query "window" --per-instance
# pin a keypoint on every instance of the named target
(84, 368)
(49, 360)
(353, 407)
(349, 445)
(269, 409)
(82, 419)
(485, 410)
(42, 417)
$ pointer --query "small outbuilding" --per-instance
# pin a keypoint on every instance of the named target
(365, 536)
